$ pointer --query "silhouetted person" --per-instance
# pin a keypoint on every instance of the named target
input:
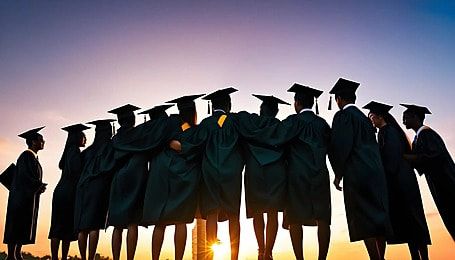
(355, 158)
(265, 182)
(222, 166)
(305, 137)
(63, 199)
(430, 157)
(92, 195)
(23, 199)
(128, 186)
(405, 203)
(172, 186)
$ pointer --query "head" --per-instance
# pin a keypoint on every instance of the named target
(377, 119)
(127, 121)
(268, 109)
(35, 142)
(302, 102)
(344, 99)
(77, 139)
(189, 115)
(223, 103)
(413, 120)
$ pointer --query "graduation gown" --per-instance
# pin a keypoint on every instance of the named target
(405, 203)
(93, 188)
(173, 181)
(222, 164)
(434, 160)
(354, 156)
(305, 137)
(128, 184)
(64, 196)
(23, 201)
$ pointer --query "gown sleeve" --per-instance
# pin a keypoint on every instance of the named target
(341, 143)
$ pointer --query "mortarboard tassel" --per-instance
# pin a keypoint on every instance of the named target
(330, 103)
(317, 107)
(113, 128)
(145, 118)
(208, 107)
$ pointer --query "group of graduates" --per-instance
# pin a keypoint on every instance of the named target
(169, 170)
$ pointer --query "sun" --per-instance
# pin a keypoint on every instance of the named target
(220, 250)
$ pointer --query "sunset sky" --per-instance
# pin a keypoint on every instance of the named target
(66, 62)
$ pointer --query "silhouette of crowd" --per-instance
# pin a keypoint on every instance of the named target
(170, 170)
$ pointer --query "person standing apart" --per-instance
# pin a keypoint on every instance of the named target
(430, 157)
(24, 196)
(63, 199)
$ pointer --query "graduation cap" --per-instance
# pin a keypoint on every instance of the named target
(271, 101)
(220, 95)
(378, 108)
(75, 128)
(102, 124)
(305, 91)
(156, 111)
(31, 134)
(124, 111)
(417, 110)
(185, 102)
(343, 87)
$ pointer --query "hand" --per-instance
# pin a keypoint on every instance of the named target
(43, 188)
(175, 145)
(336, 182)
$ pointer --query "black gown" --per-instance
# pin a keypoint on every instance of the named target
(354, 156)
(23, 201)
(64, 197)
(434, 160)
(92, 196)
(405, 203)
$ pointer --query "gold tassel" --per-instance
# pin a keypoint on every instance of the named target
(317, 107)
(330, 103)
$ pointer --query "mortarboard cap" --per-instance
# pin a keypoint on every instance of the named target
(378, 108)
(271, 100)
(304, 90)
(31, 134)
(418, 110)
(124, 111)
(102, 123)
(344, 86)
(185, 102)
(156, 111)
(220, 94)
(75, 128)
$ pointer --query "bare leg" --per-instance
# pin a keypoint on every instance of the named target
(234, 235)
(18, 252)
(82, 243)
(423, 250)
(11, 252)
(180, 240)
(157, 241)
(212, 228)
(93, 243)
(258, 224)
(296, 233)
(55, 243)
(323, 239)
(271, 231)
(65, 249)
(418, 252)
(131, 242)
(372, 248)
(116, 243)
